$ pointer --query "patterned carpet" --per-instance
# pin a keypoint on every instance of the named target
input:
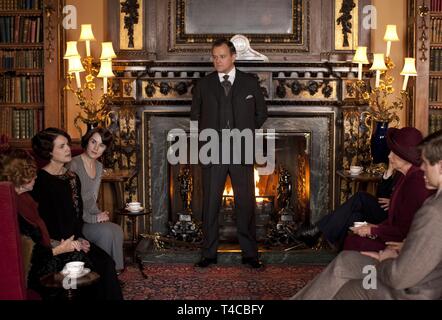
(221, 282)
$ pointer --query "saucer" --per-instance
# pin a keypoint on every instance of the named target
(354, 174)
(75, 275)
(135, 210)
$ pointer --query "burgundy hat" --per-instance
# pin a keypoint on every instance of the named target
(403, 142)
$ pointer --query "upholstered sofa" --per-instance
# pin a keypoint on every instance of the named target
(12, 269)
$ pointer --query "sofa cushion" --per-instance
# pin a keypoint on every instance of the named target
(27, 245)
(12, 280)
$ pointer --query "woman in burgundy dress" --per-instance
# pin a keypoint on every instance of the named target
(408, 195)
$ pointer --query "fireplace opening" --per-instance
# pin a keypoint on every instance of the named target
(282, 197)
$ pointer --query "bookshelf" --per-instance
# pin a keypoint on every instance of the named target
(30, 83)
(435, 68)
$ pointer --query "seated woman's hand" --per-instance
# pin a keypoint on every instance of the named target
(362, 231)
(84, 245)
(67, 245)
(384, 203)
(103, 216)
(397, 246)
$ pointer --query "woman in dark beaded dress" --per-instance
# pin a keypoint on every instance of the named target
(58, 193)
(48, 256)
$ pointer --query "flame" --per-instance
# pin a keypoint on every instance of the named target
(257, 178)
(228, 191)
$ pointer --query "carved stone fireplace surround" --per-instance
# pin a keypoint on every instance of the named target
(301, 97)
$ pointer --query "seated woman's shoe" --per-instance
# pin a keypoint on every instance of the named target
(309, 235)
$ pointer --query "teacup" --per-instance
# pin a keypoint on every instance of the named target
(355, 169)
(75, 267)
(359, 224)
(134, 205)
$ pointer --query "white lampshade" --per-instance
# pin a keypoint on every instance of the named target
(409, 67)
(106, 69)
(86, 33)
(378, 62)
(107, 51)
(75, 65)
(71, 50)
(391, 33)
(361, 55)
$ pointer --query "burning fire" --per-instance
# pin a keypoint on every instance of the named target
(228, 190)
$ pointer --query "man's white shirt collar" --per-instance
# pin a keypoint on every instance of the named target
(231, 74)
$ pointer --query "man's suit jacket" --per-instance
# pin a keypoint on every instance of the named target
(417, 272)
(249, 108)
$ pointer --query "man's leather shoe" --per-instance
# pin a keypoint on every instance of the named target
(252, 262)
(309, 235)
(205, 262)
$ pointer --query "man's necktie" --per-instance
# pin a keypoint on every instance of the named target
(226, 84)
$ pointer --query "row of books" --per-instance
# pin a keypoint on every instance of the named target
(21, 29)
(21, 4)
(21, 89)
(21, 123)
(435, 121)
(21, 59)
(436, 30)
(436, 59)
(436, 5)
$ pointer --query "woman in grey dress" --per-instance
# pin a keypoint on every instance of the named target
(97, 227)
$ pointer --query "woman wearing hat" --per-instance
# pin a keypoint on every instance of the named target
(408, 196)
(410, 272)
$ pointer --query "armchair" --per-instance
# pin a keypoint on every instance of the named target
(12, 279)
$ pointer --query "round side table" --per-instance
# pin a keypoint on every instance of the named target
(58, 280)
(133, 216)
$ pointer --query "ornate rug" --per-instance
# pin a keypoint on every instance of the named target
(221, 282)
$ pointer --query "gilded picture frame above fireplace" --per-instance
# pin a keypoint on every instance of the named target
(269, 27)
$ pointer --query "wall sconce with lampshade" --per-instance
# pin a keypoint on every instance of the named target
(380, 109)
(92, 112)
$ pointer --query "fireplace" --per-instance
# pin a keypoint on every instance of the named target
(304, 144)
(311, 105)
(289, 179)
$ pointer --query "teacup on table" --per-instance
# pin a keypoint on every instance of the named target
(355, 170)
(134, 206)
(359, 224)
(75, 267)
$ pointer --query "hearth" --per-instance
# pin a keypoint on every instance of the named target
(282, 195)
(304, 142)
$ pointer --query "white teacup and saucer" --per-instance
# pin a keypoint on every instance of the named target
(355, 170)
(75, 269)
(359, 224)
(134, 207)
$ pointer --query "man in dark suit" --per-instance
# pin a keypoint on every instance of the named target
(228, 99)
